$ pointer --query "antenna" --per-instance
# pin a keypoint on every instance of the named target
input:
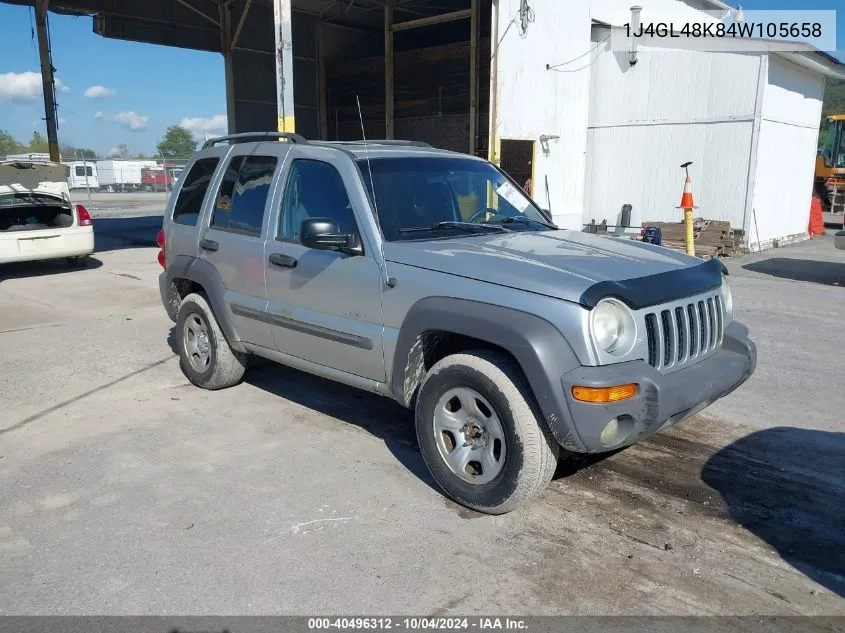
(390, 281)
(367, 154)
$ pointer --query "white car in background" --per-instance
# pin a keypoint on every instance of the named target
(37, 218)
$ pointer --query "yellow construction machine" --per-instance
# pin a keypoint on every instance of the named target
(830, 167)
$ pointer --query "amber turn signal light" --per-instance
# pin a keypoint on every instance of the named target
(601, 395)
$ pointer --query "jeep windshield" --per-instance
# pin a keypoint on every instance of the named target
(435, 197)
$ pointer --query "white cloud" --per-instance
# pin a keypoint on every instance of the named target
(200, 125)
(99, 92)
(130, 120)
(25, 86)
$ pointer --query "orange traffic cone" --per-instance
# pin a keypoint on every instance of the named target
(816, 226)
(686, 197)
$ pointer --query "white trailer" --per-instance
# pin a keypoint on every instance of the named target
(120, 175)
(83, 175)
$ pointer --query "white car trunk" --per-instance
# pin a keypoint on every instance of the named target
(37, 218)
(34, 197)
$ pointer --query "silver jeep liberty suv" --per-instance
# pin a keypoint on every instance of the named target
(429, 277)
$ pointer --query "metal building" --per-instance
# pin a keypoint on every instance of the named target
(749, 121)
(532, 84)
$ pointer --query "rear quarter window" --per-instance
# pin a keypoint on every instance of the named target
(189, 203)
(242, 197)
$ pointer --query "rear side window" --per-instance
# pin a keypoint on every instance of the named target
(189, 203)
(242, 197)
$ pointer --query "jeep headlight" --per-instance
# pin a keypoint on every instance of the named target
(612, 327)
(727, 299)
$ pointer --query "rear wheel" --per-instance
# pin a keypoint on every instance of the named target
(205, 356)
(78, 262)
(481, 434)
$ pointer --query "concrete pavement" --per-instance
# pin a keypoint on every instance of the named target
(125, 490)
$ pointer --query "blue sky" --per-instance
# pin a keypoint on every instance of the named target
(146, 87)
(163, 84)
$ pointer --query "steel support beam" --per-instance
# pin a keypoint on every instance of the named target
(284, 65)
(47, 81)
(493, 133)
(434, 19)
(388, 71)
(228, 65)
(322, 87)
(185, 4)
(241, 22)
(473, 78)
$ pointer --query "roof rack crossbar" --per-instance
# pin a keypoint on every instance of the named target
(249, 137)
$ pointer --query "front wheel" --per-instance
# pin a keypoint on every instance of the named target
(481, 433)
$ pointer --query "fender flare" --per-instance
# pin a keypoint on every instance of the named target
(539, 347)
(206, 275)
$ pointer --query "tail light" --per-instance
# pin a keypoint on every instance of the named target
(83, 215)
(161, 256)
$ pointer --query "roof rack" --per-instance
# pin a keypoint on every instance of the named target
(384, 142)
(251, 137)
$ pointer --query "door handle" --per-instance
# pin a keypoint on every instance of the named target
(209, 245)
(283, 261)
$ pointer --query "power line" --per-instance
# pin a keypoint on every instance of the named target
(556, 67)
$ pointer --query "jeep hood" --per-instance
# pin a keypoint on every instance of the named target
(561, 264)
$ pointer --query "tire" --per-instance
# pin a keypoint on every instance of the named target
(527, 452)
(205, 356)
(78, 262)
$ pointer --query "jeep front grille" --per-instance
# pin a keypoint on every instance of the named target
(685, 332)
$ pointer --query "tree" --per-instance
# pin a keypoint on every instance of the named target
(67, 152)
(89, 154)
(8, 144)
(141, 156)
(177, 142)
(120, 152)
(38, 144)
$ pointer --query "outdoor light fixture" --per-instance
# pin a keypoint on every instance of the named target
(635, 27)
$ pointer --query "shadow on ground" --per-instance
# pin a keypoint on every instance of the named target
(787, 486)
(111, 234)
(376, 415)
(20, 270)
(820, 272)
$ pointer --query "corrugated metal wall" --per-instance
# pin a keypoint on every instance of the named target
(671, 107)
(533, 101)
(786, 153)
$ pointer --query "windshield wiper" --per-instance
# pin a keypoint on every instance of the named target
(522, 220)
(464, 226)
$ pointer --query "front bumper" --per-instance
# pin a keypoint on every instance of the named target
(662, 399)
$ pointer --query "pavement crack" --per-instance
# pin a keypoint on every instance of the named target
(34, 327)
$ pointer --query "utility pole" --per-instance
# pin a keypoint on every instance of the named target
(47, 78)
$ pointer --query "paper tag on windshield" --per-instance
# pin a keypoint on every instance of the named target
(512, 195)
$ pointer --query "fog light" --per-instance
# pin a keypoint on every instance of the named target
(608, 434)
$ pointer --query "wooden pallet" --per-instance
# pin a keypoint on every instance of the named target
(713, 238)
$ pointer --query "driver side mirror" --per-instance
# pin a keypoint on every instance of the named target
(323, 234)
